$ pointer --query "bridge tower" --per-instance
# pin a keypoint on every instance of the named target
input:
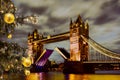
(78, 48)
(35, 47)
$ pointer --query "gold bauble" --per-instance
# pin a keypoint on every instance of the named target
(9, 18)
(27, 72)
(26, 62)
(7, 68)
(9, 36)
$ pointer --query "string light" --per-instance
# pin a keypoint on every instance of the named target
(14, 58)
(9, 20)
(9, 36)
(27, 72)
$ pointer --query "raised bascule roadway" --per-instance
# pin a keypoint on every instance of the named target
(85, 55)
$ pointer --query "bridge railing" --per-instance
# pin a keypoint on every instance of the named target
(102, 50)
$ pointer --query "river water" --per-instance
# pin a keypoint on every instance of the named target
(61, 76)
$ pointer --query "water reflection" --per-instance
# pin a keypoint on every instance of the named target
(93, 77)
(33, 76)
(77, 77)
(46, 76)
(61, 76)
(103, 77)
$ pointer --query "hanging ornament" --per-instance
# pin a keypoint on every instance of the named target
(26, 62)
(9, 18)
(27, 72)
(7, 68)
(9, 36)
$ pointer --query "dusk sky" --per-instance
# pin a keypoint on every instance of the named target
(54, 17)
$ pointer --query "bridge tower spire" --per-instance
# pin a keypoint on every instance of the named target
(78, 48)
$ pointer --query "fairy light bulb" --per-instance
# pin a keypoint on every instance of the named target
(9, 36)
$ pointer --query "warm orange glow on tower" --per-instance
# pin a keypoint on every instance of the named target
(35, 48)
(78, 48)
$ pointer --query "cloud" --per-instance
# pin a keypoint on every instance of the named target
(42, 19)
(55, 22)
(27, 9)
(106, 35)
(54, 18)
(35, 3)
(109, 13)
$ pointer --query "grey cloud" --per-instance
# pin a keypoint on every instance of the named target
(21, 34)
(24, 8)
(109, 13)
(117, 43)
(55, 22)
(103, 11)
(113, 6)
(34, 26)
(102, 19)
(117, 50)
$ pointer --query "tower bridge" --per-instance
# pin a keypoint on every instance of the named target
(81, 59)
(54, 38)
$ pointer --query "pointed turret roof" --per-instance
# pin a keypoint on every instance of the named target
(86, 23)
(79, 19)
(71, 22)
